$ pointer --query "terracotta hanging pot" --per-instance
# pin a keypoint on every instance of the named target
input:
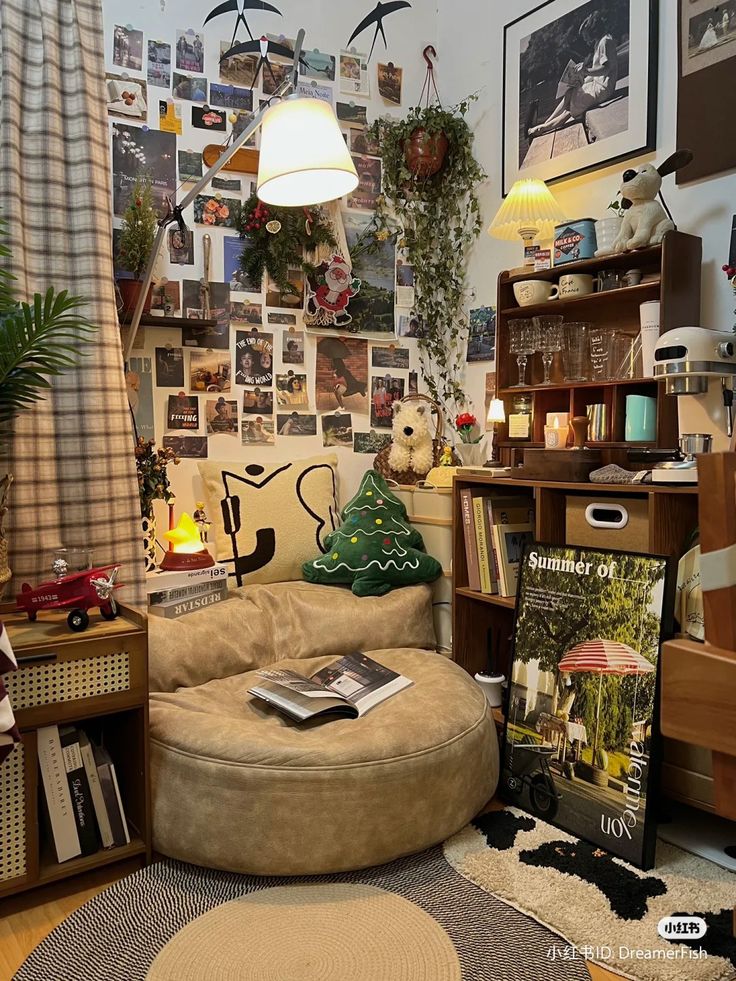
(425, 152)
(130, 290)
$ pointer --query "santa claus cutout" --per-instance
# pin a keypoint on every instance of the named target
(331, 287)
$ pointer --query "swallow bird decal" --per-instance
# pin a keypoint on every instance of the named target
(376, 17)
(239, 7)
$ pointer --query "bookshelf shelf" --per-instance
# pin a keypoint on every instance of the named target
(582, 302)
(493, 598)
(51, 871)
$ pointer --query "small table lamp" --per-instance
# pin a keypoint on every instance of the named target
(530, 210)
(496, 413)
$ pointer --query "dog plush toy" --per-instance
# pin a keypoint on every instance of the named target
(412, 447)
(646, 222)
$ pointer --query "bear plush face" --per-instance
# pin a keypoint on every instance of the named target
(410, 424)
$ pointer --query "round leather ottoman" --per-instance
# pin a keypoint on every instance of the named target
(238, 786)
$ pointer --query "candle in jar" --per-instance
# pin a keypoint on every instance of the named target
(555, 434)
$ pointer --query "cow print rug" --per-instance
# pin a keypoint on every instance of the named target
(606, 911)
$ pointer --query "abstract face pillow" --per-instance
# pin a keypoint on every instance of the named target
(375, 548)
(268, 518)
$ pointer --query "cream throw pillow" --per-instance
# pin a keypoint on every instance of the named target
(268, 519)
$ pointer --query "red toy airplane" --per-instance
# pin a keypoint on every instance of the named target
(81, 591)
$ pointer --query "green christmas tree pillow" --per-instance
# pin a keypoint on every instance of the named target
(375, 548)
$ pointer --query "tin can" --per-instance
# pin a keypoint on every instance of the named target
(575, 240)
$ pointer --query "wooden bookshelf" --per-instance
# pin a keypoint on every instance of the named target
(97, 680)
(671, 274)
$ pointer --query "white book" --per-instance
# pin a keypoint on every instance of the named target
(58, 797)
(175, 580)
(98, 801)
(114, 776)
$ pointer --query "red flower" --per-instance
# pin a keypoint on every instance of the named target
(465, 419)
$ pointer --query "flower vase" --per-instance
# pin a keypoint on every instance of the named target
(471, 454)
(149, 541)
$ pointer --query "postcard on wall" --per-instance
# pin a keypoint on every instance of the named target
(371, 442)
(272, 75)
(169, 116)
(257, 430)
(245, 312)
(208, 119)
(216, 210)
(187, 447)
(581, 746)
(189, 51)
(337, 429)
(190, 165)
(209, 371)
(342, 374)
(235, 275)
(192, 88)
(404, 279)
(230, 96)
(181, 246)
(414, 384)
(482, 334)
(708, 33)
(169, 367)
(230, 184)
(137, 151)
(389, 357)
(222, 416)
(242, 120)
(159, 64)
(127, 48)
(389, 83)
(365, 196)
(291, 390)
(296, 424)
(258, 401)
(165, 298)
(139, 387)
(372, 309)
(238, 69)
(253, 358)
(409, 324)
(291, 299)
(284, 319)
(126, 97)
(354, 78)
(292, 351)
(194, 297)
(361, 142)
(313, 90)
(352, 114)
(183, 412)
(318, 65)
(385, 390)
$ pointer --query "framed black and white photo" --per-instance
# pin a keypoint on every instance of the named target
(580, 87)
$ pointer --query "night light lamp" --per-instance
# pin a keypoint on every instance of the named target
(188, 552)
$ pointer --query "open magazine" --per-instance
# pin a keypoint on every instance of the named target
(346, 689)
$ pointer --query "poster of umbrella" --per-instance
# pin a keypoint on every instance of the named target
(581, 747)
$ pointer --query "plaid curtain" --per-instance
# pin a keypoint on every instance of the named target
(72, 458)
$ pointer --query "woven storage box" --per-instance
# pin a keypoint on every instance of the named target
(608, 522)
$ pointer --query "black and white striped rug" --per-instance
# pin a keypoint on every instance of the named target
(128, 931)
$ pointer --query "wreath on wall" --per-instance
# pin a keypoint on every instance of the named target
(280, 238)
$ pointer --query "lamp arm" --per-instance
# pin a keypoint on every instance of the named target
(174, 213)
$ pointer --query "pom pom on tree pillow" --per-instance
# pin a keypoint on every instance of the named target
(375, 548)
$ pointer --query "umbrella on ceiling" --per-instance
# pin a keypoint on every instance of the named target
(604, 657)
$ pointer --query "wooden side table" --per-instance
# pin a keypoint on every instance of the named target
(97, 680)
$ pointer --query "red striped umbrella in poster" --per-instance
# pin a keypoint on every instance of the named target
(601, 657)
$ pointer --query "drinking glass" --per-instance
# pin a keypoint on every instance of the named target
(575, 351)
(600, 342)
(549, 341)
(522, 344)
(73, 558)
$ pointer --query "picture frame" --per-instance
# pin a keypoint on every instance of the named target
(589, 625)
(611, 115)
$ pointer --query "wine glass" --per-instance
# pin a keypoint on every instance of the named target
(549, 341)
(575, 351)
(522, 344)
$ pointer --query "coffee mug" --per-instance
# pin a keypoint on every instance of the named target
(641, 419)
(575, 284)
(608, 279)
(530, 291)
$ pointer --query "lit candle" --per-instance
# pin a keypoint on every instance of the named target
(555, 434)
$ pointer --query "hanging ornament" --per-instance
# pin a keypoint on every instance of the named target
(330, 287)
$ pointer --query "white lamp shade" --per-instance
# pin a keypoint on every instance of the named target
(304, 158)
(496, 412)
(528, 205)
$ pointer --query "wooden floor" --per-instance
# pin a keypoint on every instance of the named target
(26, 919)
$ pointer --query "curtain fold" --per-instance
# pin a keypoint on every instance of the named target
(72, 454)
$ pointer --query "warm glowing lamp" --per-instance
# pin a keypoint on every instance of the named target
(304, 158)
(188, 552)
(529, 210)
(496, 413)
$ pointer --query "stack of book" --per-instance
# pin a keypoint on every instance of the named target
(80, 790)
(496, 528)
(172, 594)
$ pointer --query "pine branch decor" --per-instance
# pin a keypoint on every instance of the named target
(138, 229)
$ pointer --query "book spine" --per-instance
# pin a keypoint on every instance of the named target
(492, 557)
(503, 586)
(482, 544)
(82, 807)
(175, 580)
(178, 608)
(112, 807)
(182, 592)
(56, 792)
(471, 556)
(98, 801)
(119, 799)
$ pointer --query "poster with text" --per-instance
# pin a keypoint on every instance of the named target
(183, 412)
(159, 64)
(137, 151)
(253, 358)
(187, 447)
(169, 367)
(222, 416)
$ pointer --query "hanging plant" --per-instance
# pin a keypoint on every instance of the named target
(278, 238)
(430, 178)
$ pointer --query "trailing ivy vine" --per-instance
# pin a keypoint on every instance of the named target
(441, 218)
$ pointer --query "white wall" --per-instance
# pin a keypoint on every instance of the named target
(470, 44)
(328, 28)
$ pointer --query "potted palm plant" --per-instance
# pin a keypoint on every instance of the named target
(138, 232)
(38, 340)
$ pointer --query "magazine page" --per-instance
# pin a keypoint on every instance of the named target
(361, 680)
(302, 706)
(580, 744)
(297, 683)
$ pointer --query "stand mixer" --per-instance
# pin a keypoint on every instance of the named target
(683, 471)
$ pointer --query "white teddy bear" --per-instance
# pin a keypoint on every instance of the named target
(412, 447)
